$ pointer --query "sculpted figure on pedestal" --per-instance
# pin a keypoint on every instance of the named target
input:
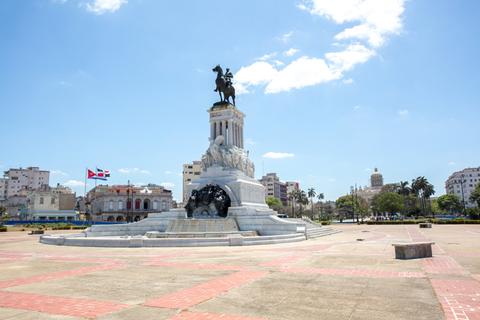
(230, 157)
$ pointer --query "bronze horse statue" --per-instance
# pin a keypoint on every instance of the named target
(223, 86)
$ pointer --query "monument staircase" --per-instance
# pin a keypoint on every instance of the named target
(313, 229)
(201, 228)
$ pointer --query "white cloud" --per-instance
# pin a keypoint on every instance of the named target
(376, 19)
(104, 6)
(133, 170)
(348, 81)
(303, 72)
(286, 37)
(278, 155)
(373, 21)
(267, 56)
(58, 173)
(168, 185)
(403, 113)
(291, 52)
(258, 73)
(345, 60)
(74, 183)
(278, 63)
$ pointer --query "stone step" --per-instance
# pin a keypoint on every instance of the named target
(202, 225)
(156, 234)
(320, 232)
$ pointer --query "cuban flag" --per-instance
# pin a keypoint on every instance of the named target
(91, 174)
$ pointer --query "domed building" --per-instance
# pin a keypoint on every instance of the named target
(376, 184)
(376, 179)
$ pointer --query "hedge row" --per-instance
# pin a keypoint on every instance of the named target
(436, 221)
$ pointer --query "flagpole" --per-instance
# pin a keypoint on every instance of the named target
(85, 190)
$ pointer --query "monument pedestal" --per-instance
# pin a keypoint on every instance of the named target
(226, 207)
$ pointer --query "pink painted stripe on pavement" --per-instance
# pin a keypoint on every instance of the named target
(186, 315)
(192, 296)
(354, 272)
(86, 308)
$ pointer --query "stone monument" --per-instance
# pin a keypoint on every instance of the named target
(226, 205)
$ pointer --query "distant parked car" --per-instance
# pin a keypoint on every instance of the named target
(282, 215)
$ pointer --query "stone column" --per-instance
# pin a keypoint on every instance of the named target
(241, 136)
(236, 134)
(216, 129)
(212, 130)
(230, 132)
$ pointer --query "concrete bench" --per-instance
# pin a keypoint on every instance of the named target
(413, 250)
(425, 225)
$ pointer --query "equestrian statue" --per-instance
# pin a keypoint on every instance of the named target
(224, 84)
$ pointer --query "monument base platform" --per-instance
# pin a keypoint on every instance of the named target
(243, 226)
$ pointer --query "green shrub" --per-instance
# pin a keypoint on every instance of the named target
(436, 221)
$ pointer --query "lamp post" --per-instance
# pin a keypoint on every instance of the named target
(463, 195)
(353, 203)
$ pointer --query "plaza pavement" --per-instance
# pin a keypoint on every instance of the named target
(349, 275)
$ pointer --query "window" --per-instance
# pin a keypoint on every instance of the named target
(155, 205)
(120, 205)
(52, 200)
(110, 205)
(41, 200)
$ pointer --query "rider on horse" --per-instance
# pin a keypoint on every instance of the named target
(228, 77)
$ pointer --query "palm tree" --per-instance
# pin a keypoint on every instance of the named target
(428, 191)
(422, 189)
(302, 199)
(292, 196)
(311, 194)
(404, 190)
(320, 197)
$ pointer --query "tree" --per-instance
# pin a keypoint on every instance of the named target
(302, 199)
(3, 215)
(320, 197)
(273, 202)
(423, 190)
(311, 194)
(348, 205)
(450, 203)
(404, 190)
(292, 196)
(387, 202)
(475, 195)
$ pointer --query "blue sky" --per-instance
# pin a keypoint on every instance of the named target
(331, 89)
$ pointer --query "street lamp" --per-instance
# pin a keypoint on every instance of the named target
(463, 195)
(353, 203)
